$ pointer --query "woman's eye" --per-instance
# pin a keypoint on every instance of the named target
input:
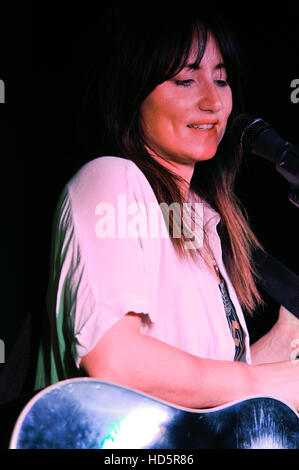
(184, 83)
(222, 83)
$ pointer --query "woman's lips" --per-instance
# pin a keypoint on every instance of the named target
(203, 126)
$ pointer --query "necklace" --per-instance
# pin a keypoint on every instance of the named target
(211, 261)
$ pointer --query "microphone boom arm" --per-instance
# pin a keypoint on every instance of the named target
(259, 137)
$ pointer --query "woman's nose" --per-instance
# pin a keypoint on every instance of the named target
(209, 99)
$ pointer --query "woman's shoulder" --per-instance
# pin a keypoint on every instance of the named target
(110, 161)
(105, 168)
(105, 178)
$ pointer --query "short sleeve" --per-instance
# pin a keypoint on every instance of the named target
(103, 266)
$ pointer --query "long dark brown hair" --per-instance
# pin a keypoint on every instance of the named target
(146, 49)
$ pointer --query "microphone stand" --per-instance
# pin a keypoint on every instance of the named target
(274, 274)
(288, 167)
(278, 281)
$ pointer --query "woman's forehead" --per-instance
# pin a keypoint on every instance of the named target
(211, 52)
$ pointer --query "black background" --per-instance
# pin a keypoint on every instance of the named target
(43, 59)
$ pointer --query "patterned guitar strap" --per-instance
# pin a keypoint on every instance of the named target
(232, 318)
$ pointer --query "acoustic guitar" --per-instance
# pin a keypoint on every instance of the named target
(85, 413)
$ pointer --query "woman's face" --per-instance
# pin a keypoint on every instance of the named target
(184, 118)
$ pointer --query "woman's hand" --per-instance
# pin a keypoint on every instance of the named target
(290, 325)
(281, 343)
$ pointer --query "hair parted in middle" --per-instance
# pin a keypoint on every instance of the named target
(144, 49)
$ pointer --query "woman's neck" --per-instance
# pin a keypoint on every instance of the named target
(183, 171)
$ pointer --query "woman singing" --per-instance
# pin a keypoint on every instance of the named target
(163, 312)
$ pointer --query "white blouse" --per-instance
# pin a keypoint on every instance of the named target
(109, 259)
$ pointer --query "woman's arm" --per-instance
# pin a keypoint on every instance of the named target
(125, 356)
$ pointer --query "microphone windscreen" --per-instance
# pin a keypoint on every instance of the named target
(246, 128)
(239, 125)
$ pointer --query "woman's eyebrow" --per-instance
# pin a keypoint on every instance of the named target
(196, 66)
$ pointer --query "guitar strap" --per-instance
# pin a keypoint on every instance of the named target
(278, 281)
(231, 315)
(233, 321)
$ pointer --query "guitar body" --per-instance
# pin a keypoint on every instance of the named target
(86, 413)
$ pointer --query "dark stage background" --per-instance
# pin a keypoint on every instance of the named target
(44, 56)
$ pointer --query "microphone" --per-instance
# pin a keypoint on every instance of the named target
(254, 135)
